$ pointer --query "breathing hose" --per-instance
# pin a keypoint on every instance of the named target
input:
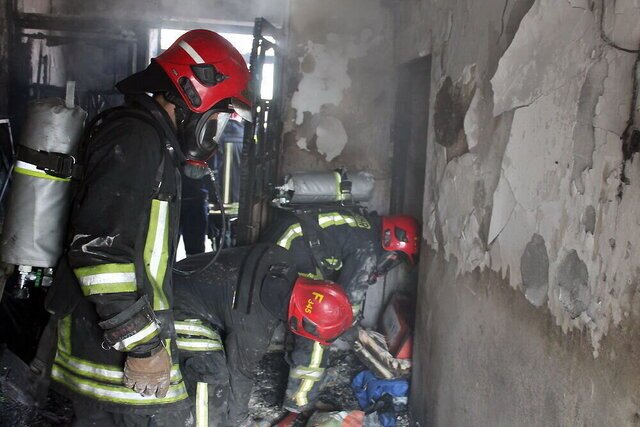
(223, 231)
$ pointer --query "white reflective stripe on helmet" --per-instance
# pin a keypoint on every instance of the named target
(191, 52)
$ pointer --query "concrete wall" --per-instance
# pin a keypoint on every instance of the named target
(528, 309)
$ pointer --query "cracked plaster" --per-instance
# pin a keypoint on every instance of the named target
(559, 175)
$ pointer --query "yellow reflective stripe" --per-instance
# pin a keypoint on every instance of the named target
(198, 344)
(313, 374)
(114, 393)
(144, 335)
(188, 328)
(301, 396)
(104, 373)
(156, 253)
(335, 218)
(202, 405)
(29, 169)
(316, 276)
(355, 309)
(64, 334)
(106, 278)
(293, 232)
(334, 263)
(339, 194)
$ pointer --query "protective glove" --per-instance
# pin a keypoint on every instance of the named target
(149, 375)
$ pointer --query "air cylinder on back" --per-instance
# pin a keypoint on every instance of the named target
(39, 202)
(328, 187)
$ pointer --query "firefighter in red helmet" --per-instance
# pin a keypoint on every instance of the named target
(226, 315)
(352, 248)
(116, 354)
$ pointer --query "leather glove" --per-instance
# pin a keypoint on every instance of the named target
(149, 375)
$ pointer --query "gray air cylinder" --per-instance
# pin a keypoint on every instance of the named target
(38, 207)
(328, 187)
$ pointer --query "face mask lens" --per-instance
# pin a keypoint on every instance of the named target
(210, 132)
(387, 263)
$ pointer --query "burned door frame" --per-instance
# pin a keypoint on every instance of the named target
(262, 139)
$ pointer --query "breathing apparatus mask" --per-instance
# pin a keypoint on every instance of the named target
(199, 134)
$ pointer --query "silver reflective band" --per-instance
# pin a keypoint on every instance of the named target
(308, 373)
(113, 393)
(191, 344)
(99, 279)
(146, 332)
(100, 372)
(293, 232)
(198, 330)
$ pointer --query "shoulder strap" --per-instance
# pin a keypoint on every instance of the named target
(316, 240)
(113, 114)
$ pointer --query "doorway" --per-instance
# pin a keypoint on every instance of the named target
(409, 136)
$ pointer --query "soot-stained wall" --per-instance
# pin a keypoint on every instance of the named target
(528, 308)
(340, 89)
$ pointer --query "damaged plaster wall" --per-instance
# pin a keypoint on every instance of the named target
(340, 90)
(527, 187)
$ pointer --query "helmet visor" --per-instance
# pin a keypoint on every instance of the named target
(242, 109)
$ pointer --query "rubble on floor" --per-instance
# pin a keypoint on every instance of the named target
(264, 405)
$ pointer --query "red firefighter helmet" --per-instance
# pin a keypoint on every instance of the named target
(400, 241)
(203, 68)
(319, 310)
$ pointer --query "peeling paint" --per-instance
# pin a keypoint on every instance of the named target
(324, 69)
(552, 34)
(332, 138)
(553, 213)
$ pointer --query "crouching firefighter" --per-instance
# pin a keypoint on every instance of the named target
(226, 315)
(116, 356)
(352, 248)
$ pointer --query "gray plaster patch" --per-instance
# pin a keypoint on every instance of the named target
(573, 283)
(534, 266)
(332, 137)
(583, 132)
(589, 219)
